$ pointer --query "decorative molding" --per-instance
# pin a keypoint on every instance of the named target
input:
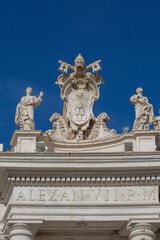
(110, 179)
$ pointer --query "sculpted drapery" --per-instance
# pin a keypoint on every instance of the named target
(25, 110)
(143, 111)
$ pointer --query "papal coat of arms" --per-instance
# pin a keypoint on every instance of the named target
(79, 91)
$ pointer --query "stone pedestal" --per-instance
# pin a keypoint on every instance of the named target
(21, 231)
(141, 231)
(24, 141)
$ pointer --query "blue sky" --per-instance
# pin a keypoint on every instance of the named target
(35, 34)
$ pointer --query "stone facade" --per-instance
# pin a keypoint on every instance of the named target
(80, 195)
(81, 180)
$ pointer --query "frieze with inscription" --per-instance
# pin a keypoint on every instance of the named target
(85, 195)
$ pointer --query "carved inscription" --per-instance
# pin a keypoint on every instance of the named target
(80, 195)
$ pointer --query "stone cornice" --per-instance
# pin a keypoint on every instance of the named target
(106, 154)
(99, 156)
(82, 161)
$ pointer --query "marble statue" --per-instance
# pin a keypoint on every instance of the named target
(79, 91)
(144, 112)
(156, 122)
(25, 110)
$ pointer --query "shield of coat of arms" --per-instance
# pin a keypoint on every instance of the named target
(79, 103)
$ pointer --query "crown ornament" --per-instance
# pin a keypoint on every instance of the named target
(79, 61)
(79, 70)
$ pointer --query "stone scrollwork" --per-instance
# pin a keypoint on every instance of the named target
(59, 125)
(79, 91)
(100, 126)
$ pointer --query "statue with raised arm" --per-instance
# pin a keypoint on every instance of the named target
(25, 110)
(143, 111)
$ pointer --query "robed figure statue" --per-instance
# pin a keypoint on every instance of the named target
(143, 110)
(25, 110)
